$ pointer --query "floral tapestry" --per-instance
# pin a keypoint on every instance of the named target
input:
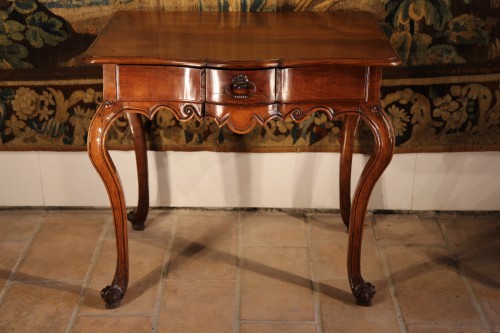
(445, 96)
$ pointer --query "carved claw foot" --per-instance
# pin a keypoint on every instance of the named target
(136, 225)
(364, 293)
(112, 295)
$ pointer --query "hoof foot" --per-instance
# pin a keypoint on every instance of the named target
(112, 295)
(364, 294)
(136, 225)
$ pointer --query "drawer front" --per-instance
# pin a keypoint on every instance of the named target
(159, 83)
(323, 83)
(240, 86)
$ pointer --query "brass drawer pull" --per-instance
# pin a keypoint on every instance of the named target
(240, 87)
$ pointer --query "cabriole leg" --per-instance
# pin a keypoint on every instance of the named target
(349, 127)
(104, 117)
(139, 215)
(380, 158)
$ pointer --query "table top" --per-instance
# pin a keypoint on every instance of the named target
(242, 39)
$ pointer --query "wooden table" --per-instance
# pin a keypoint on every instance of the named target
(242, 69)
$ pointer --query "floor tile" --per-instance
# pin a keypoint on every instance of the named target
(341, 314)
(275, 284)
(428, 285)
(277, 328)
(268, 273)
(205, 212)
(489, 299)
(204, 248)
(63, 248)
(475, 241)
(158, 225)
(408, 230)
(274, 229)
(146, 261)
(329, 240)
(10, 254)
(197, 306)
(75, 215)
(38, 308)
(112, 324)
(19, 225)
(444, 329)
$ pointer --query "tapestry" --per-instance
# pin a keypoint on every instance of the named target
(444, 97)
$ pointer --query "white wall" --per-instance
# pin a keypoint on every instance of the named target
(438, 181)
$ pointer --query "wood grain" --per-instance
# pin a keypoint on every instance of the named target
(236, 39)
(243, 70)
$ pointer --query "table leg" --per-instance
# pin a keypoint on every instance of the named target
(139, 215)
(383, 134)
(349, 127)
(102, 121)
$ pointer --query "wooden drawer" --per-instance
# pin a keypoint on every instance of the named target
(240, 86)
(159, 83)
(304, 84)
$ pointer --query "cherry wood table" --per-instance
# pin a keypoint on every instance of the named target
(242, 69)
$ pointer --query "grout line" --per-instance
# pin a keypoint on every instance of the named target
(388, 276)
(239, 267)
(275, 246)
(90, 270)
(237, 321)
(279, 322)
(11, 242)
(414, 246)
(461, 271)
(447, 324)
(111, 314)
(197, 279)
(318, 316)
(163, 278)
(8, 284)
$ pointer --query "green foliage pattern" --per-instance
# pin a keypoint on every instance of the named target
(22, 26)
(425, 32)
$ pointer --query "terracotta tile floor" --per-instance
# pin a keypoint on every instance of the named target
(250, 272)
